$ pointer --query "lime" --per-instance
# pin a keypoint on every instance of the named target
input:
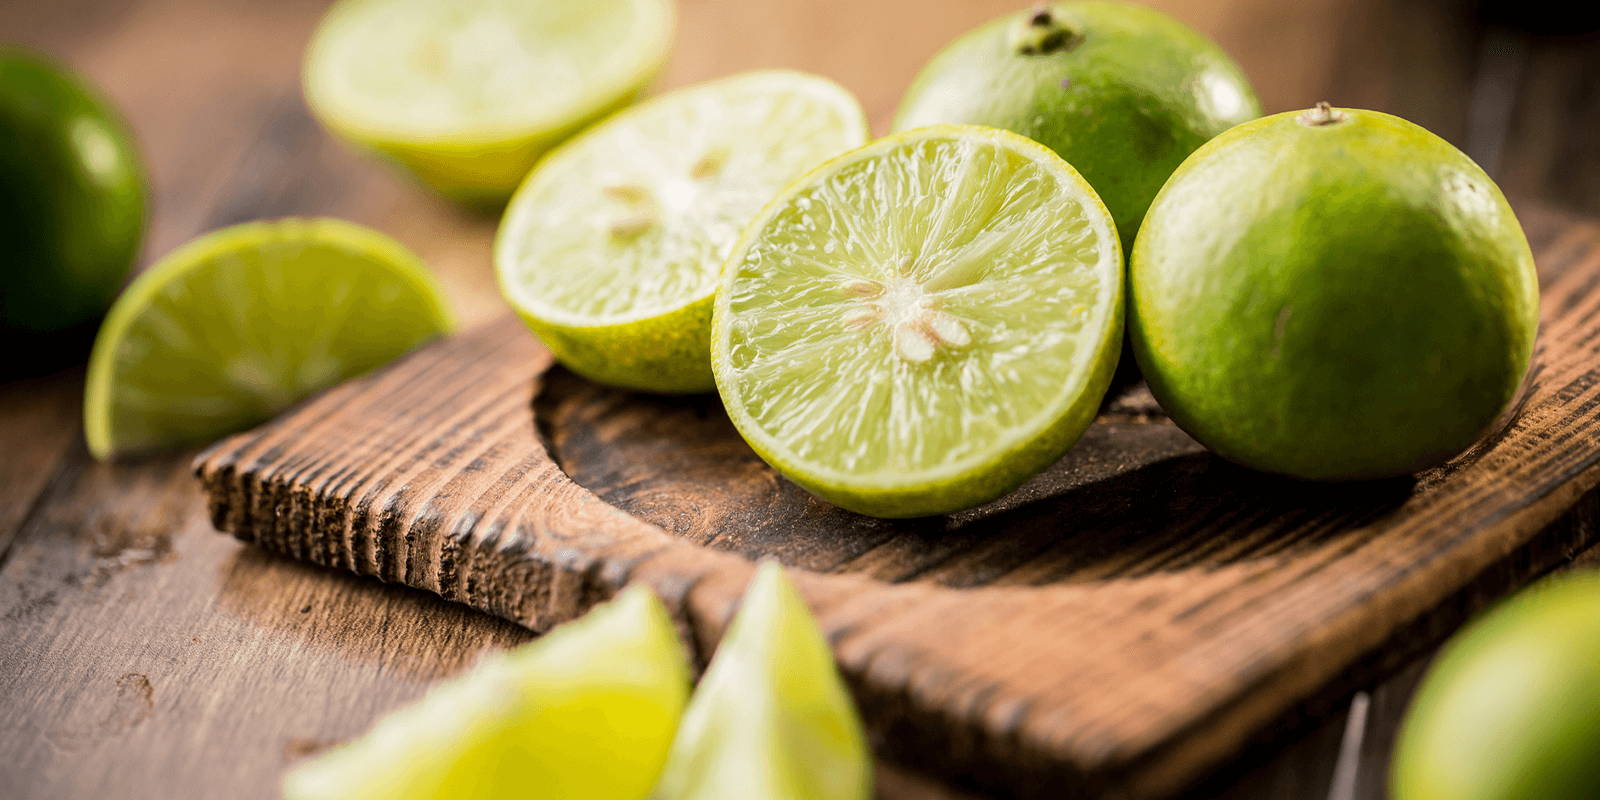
(71, 201)
(771, 719)
(1511, 708)
(610, 251)
(1332, 294)
(587, 711)
(921, 324)
(233, 327)
(468, 94)
(1122, 92)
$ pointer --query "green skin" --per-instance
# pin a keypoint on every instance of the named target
(1346, 300)
(1511, 710)
(72, 201)
(1122, 92)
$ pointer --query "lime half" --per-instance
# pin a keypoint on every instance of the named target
(233, 327)
(588, 711)
(771, 719)
(468, 94)
(920, 325)
(611, 249)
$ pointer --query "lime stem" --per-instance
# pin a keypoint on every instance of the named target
(1322, 114)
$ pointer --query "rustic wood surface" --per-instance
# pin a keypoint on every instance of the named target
(145, 656)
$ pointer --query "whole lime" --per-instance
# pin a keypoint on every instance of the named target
(72, 199)
(1123, 93)
(1332, 294)
(1511, 709)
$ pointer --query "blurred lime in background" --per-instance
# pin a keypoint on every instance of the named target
(237, 325)
(468, 94)
(1511, 708)
(72, 205)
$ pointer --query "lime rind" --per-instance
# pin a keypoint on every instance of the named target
(409, 284)
(997, 463)
(434, 133)
(772, 717)
(588, 710)
(634, 310)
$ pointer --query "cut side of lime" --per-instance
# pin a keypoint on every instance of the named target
(920, 325)
(611, 249)
(587, 711)
(233, 327)
(468, 94)
(771, 719)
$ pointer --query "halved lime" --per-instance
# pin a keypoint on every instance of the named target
(231, 328)
(771, 719)
(587, 711)
(611, 249)
(468, 94)
(920, 325)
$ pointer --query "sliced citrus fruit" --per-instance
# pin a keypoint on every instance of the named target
(233, 327)
(771, 718)
(468, 94)
(611, 249)
(920, 325)
(588, 711)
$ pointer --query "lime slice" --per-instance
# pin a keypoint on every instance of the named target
(920, 325)
(235, 326)
(468, 94)
(611, 249)
(588, 711)
(771, 719)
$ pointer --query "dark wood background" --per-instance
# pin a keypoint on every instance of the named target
(144, 655)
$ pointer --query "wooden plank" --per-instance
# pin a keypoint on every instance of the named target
(1203, 601)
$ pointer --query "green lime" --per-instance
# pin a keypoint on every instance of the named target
(923, 323)
(1332, 294)
(586, 711)
(233, 327)
(71, 201)
(1122, 92)
(611, 249)
(771, 719)
(468, 94)
(1511, 708)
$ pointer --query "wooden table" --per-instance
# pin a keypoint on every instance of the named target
(146, 656)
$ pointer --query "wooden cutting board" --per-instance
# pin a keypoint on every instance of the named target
(1116, 627)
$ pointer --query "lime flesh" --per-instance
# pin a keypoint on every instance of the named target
(1332, 294)
(468, 94)
(611, 249)
(1511, 708)
(71, 203)
(1122, 92)
(233, 327)
(587, 711)
(921, 324)
(771, 719)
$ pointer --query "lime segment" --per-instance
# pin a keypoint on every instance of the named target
(920, 325)
(235, 326)
(611, 249)
(588, 711)
(771, 719)
(469, 93)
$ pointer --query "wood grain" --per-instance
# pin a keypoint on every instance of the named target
(1202, 601)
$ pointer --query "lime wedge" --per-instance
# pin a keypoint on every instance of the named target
(771, 719)
(920, 325)
(233, 327)
(468, 94)
(611, 249)
(587, 711)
